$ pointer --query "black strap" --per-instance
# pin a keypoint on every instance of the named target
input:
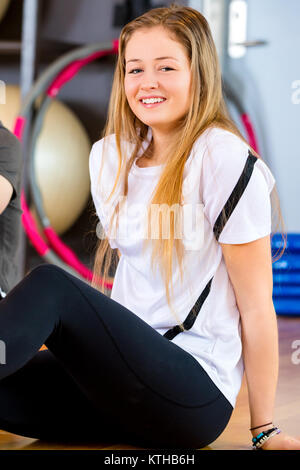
(235, 196)
(191, 318)
(224, 215)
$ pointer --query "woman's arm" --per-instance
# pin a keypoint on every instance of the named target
(249, 267)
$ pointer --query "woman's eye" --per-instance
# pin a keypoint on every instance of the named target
(134, 70)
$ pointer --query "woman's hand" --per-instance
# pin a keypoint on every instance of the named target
(282, 442)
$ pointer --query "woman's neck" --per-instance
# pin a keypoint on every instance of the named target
(148, 158)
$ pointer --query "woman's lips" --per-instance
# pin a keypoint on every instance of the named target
(152, 105)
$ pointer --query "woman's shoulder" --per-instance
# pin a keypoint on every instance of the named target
(104, 157)
(217, 145)
(215, 139)
(104, 149)
(225, 147)
(97, 159)
(109, 142)
(227, 156)
(216, 136)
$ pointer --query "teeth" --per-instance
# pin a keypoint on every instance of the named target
(152, 100)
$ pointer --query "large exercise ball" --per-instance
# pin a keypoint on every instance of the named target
(3, 8)
(61, 160)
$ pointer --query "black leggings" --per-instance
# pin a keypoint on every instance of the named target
(107, 375)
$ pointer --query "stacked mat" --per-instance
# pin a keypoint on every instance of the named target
(286, 274)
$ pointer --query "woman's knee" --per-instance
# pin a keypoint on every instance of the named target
(43, 268)
(44, 273)
(45, 279)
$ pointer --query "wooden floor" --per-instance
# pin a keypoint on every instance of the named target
(236, 436)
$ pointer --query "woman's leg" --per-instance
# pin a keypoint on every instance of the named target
(42, 401)
(151, 389)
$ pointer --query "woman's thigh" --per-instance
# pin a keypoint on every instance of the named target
(42, 401)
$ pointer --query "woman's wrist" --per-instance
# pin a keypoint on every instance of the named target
(263, 433)
(261, 440)
(259, 428)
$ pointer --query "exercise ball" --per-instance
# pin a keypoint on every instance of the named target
(61, 160)
(3, 8)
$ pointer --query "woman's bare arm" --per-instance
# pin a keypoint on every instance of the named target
(249, 266)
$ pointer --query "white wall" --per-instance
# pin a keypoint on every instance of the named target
(267, 74)
(263, 80)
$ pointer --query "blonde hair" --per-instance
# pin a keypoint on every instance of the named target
(208, 108)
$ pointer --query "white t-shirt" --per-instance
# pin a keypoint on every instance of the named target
(219, 168)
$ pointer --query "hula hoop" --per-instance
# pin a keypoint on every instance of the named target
(53, 78)
(245, 118)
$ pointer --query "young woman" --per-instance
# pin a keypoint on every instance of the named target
(160, 362)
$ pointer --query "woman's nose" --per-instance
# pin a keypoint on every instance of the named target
(148, 86)
(149, 80)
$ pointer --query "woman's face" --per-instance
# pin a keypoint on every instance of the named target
(157, 66)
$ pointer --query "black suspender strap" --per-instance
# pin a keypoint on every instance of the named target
(217, 229)
(235, 196)
(191, 318)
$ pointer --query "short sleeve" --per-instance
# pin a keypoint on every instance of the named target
(236, 187)
(94, 169)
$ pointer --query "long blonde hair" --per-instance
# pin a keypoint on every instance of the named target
(207, 109)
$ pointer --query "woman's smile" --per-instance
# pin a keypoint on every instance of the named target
(152, 105)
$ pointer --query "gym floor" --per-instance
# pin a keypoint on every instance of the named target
(81, 238)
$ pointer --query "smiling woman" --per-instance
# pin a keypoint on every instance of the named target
(161, 361)
(187, 148)
(164, 73)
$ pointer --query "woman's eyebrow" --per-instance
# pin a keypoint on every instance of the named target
(157, 58)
